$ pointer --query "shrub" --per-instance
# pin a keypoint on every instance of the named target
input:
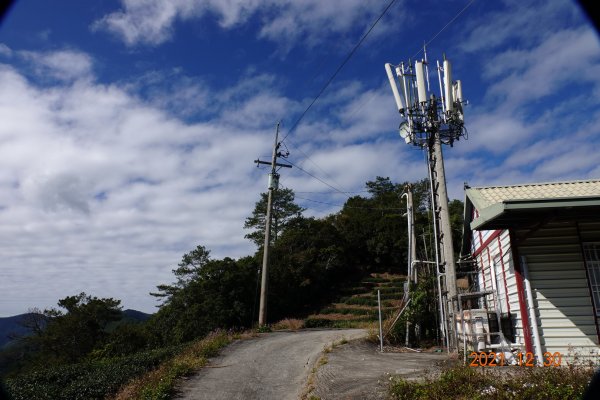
(462, 382)
(291, 324)
(87, 380)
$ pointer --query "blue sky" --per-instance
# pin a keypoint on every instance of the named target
(129, 127)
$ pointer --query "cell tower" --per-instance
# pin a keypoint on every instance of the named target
(428, 122)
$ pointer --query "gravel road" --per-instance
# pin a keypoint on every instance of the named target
(273, 366)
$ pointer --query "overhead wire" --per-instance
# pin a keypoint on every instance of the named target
(353, 207)
(317, 178)
(444, 28)
(308, 158)
(334, 75)
(339, 68)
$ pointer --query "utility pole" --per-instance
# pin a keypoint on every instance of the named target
(273, 184)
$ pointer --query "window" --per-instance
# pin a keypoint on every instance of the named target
(591, 253)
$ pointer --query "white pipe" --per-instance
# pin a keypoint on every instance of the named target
(417, 262)
(531, 313)
(380, 325)
(408, 213)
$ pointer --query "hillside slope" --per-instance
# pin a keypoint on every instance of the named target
(358, 307)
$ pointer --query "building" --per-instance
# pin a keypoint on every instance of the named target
(545, 237)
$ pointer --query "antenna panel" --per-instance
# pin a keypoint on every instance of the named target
(448, 95)
(459, 97)
(392, 79)
(422, 92)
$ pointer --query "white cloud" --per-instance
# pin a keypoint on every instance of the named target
(286, 22)
(517, 21)
(103, 192)
(65, 65)
(568, 57)
(5, 50)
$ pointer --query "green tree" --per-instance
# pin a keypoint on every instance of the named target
(208, 294)
(374, 227)
(284, 209)
(308, 264)
(187, 270)
(456, 209)
(75, 328)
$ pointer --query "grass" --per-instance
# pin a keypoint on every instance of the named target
(352, 311)
(463, 382)
(288, 324)
(160, 383)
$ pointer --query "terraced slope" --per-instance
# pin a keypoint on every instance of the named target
(358, 307)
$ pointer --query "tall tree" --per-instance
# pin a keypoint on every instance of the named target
(187, 270)
(218, 294)
(284, 210)
(75, 328)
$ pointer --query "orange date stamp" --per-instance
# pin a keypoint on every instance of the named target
(483, 359)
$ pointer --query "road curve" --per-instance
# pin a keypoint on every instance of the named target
(273, 366)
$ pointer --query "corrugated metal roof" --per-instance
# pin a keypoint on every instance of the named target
(498, 206)
(553, 190)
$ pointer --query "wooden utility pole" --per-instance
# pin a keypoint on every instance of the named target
(273, 183)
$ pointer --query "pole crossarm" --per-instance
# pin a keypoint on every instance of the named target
(276, 164)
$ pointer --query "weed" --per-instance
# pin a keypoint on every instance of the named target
(463, 382)
(291, 324)
(159, 383)
(264, 329)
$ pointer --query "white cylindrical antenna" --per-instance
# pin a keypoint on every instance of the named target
(459, 97)
(449, 100)
(440, 81)
(421, 82)
(392, 79)
(400, 75)
(407, 93)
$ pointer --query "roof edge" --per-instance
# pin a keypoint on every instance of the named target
(595, 180)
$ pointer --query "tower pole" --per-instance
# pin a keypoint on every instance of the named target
(446, 236)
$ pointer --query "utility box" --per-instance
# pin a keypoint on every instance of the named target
(473, 329)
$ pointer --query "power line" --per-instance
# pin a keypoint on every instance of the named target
(358, 191)
(352, 207)
(375, 91)
(307, 157)
(319, 179)
(445, 26)
(348, 57)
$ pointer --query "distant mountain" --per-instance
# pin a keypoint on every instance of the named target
(135, 315)
(13, 326)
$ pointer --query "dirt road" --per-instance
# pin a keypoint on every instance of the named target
(272, 366)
